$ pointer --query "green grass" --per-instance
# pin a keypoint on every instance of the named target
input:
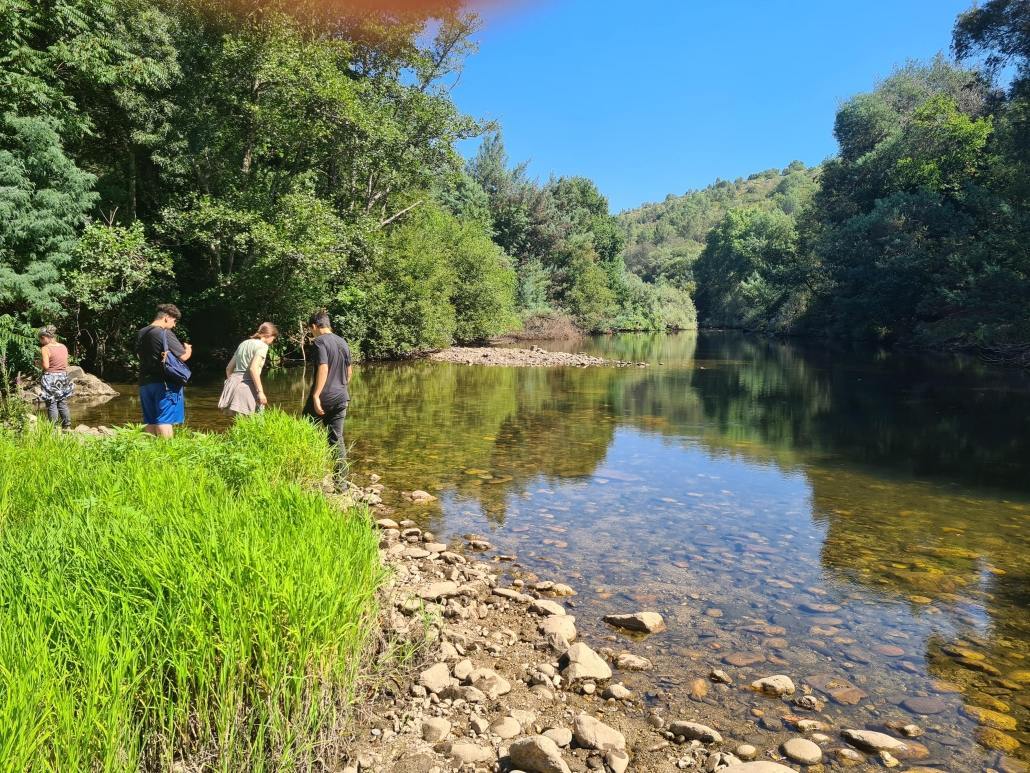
(192, 599)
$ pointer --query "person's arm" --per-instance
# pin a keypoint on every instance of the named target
(230, 367)
(185, 350)
(321, 376)
(255, 375)
(44, 357)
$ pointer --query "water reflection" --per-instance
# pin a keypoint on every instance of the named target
(857, 519)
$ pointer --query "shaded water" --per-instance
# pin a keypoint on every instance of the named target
(847, 514)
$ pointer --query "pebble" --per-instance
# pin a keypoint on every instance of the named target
(435, 678)
(617, 691)
(741, 659)
(546, 607)
(746, 751)
(630, 662)
(802, 750)
(506, 727)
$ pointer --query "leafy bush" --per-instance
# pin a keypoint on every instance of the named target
(187, 599)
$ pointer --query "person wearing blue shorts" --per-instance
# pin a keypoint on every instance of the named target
(164, 405)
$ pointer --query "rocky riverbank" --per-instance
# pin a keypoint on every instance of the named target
(533, 357)
(504, 682)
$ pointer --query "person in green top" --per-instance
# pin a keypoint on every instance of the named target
(243, 393)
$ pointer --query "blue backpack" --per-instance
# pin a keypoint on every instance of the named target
(177, 372)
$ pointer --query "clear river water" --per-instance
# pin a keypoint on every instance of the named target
(856, 519)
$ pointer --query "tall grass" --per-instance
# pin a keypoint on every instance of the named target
(186, 600)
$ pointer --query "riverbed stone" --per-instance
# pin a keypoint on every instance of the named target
(618, 691)
(565, 625)
(546, 607)
(761, 766)
(992, 738)
(435, 729)
(438, 590)
(469, 753)
(561, 736)
(777, 685)
(492, 684)
(580, 662)
(617, 760)
(694, 731)
(741, 659)
(802, 750)
(924, 705)
(592, 733)
(872, 741)
(989, 718)
(435, 678)
(506, 727)
(627, 661)
(746, 751)
(537, 754)
(643, 622)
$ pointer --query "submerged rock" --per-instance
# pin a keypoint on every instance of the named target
(777, 685)
(871, 741)
(694, 731)
(802, 750)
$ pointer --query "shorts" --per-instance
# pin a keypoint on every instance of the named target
(162, 405)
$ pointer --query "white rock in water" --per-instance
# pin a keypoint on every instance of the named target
(646, 622)
(537, 754)
(592, 733)
(581, 662)
(871, 741)
(777, 685)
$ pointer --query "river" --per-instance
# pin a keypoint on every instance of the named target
(844, 513)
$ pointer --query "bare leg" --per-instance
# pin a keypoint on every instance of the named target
(163, 431)
(150, 429)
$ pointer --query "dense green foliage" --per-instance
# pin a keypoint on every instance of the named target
(567, 248)
(664, 240)
(915, 232)
(147, 620)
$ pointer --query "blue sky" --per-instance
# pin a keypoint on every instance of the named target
(661, 96)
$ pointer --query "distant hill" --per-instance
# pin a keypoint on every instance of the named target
(664, 239)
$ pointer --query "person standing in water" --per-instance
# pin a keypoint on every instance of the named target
(163, 403)
(243, 393)
(55, 386)
(330, 394)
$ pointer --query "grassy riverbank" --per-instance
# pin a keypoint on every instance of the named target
(186, 600)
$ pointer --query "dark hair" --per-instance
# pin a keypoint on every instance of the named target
(320, 319)
(169, 309)
(266, 329)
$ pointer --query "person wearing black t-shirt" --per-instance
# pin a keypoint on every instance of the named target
(163, 404)
(329, 397)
